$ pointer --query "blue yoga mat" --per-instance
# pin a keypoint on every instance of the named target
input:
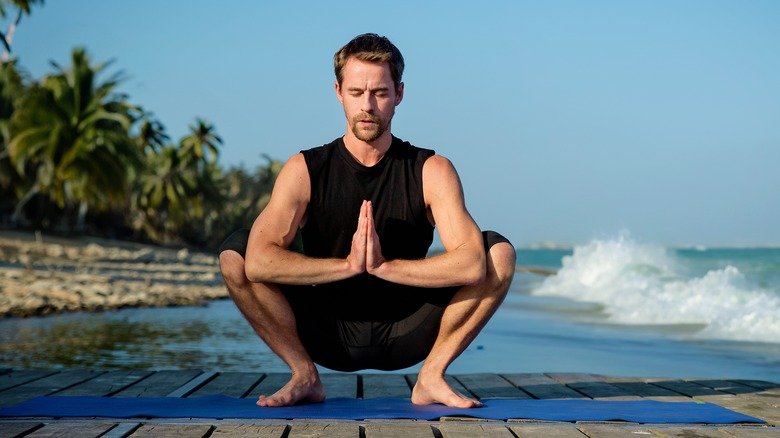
(219, 406)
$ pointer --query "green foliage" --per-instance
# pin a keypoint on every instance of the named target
(76, 155)
(23, 6)
(11, 89)
(246, 194)
(69, 137)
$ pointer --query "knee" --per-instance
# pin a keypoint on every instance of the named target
(231, 265)
(501, 259)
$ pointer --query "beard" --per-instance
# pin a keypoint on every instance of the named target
(372, 133)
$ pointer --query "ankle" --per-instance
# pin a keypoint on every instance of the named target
(306, 372)
(429, 375)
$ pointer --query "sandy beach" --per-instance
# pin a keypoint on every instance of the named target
(42, 274)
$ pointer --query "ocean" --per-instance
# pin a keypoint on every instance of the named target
(615, 306)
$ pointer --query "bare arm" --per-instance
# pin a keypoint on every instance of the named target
(463, 261)
(267, 256)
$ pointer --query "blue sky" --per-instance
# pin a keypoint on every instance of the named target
(567, 120)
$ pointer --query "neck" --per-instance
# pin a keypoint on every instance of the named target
(368, 153)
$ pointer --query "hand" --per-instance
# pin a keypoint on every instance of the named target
(356, 259)
(374, 258)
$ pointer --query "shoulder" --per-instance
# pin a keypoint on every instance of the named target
(293, 179)
(440, 181)
(438, 167)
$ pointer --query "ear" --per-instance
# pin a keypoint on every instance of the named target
(337, 87)
(399, 94)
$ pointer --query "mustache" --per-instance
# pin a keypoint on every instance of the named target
(366, 116)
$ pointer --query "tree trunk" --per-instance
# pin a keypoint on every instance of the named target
(82, 214)
(9, 36)
(18, 216)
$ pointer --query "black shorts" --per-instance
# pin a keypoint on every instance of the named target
(343, 331)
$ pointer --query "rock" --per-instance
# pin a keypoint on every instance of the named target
(77, 277)
(94, 250)
(183, 255)
(145, 255)
(55, 250)
(72, 253)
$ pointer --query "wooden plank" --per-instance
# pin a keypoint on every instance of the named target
(106, 384)
(16, 378)
(752, 432)
(46, 386)
(270, 384)
(395, 430)
(686, 388)
(769, 396)
(315, 430)
(760, 384)
(11, 430)
(231, 384)
(173, 431)
(340, 385)
(646, 390)
(195, 383)
(121, 430)
(546, 431)
(68, 430)
(618, 431)
(229, 430)
(692, 432)
(593, 386)
(159, 384)
(455, 429)
(453, 382)
(487, 385)
(385, 385)
(728, 386)
(541, 386)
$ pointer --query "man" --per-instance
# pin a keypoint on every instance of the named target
(363, 294)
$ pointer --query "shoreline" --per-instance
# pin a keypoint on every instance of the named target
(46, 275)
(43, 275)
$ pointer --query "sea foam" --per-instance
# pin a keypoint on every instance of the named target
(646, 284)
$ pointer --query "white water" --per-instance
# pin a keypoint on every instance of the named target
(645, 284)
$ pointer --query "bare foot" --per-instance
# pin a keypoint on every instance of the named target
(435, 389)
(299, 390)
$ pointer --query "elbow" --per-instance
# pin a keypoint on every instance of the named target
(477, 272)
(255, 270)
(253, 273)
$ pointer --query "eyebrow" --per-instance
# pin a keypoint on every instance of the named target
(351, 89)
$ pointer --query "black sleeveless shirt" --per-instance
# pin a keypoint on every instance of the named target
(339, 184)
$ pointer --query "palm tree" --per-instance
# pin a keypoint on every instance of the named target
(73, 132)
(179, 192)
(163, 198)
(22, 7)
(11, 88)
(151, 133)
(202, 145)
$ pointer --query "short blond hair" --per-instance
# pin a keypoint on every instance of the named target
(370, 47)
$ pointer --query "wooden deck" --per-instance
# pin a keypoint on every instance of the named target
(757, 398)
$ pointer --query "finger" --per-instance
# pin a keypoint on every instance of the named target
(361, 219)
(365, 216)
(368, 224)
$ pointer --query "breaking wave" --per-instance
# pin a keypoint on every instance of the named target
(642, 284)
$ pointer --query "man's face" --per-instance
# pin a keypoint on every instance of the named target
(369, 97)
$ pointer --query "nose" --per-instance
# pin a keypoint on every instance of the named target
(367, 103)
